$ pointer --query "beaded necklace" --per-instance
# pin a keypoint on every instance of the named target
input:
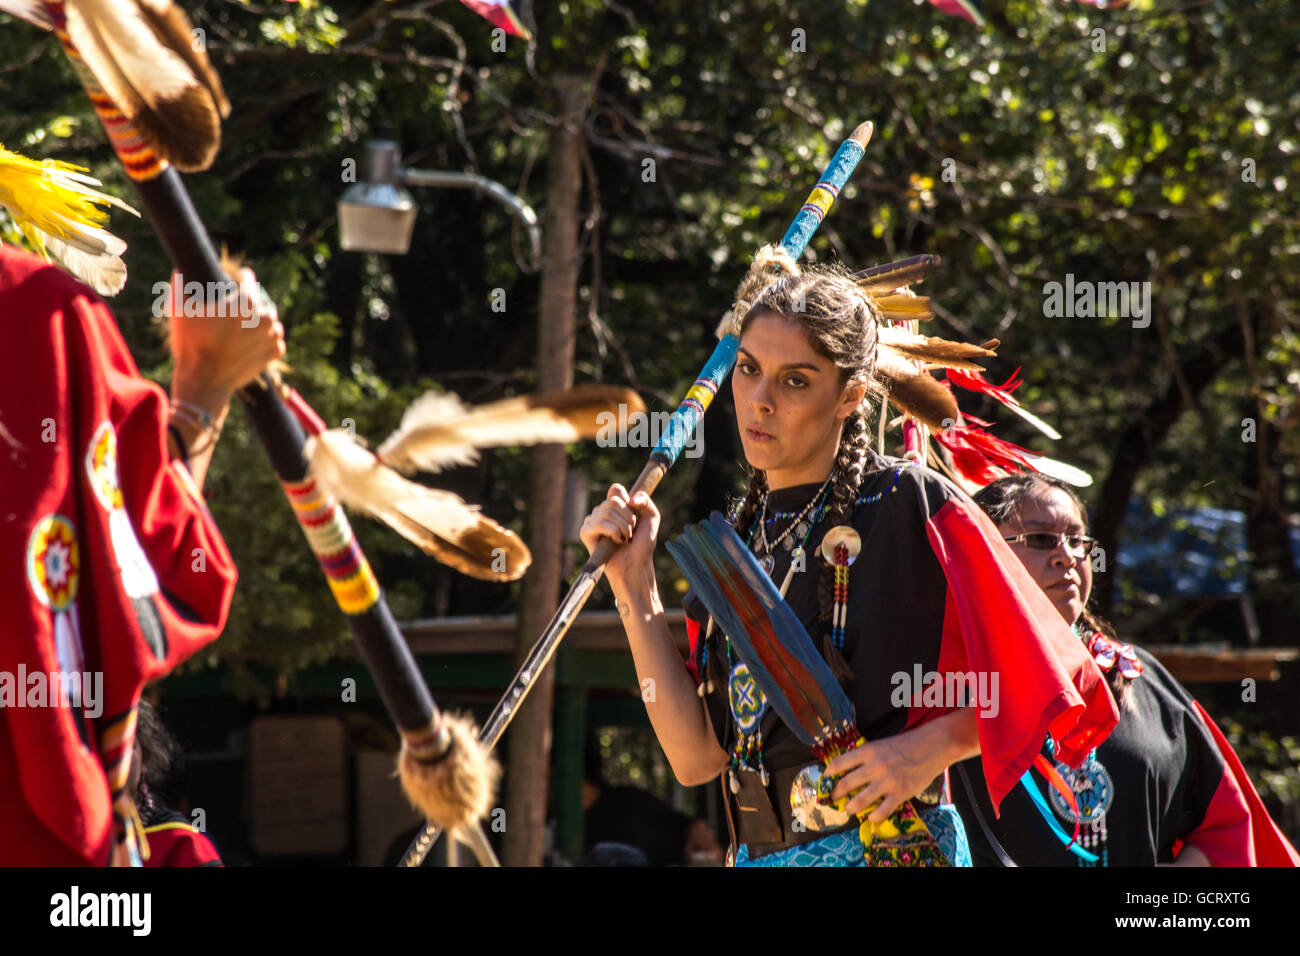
(767, 559)
(1093, 788)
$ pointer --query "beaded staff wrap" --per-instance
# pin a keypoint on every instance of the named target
(428, 743)
(335, 545)
(822, 196)
(686, 419)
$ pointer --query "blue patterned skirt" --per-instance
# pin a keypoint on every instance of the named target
(845, 849)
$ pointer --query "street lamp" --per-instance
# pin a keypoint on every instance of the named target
(377, 213)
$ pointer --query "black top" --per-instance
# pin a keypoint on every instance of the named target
(1161, 761)
(897, 591)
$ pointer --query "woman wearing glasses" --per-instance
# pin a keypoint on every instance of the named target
(1165, 786)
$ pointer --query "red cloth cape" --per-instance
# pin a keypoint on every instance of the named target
(998, 620)
(69, 393)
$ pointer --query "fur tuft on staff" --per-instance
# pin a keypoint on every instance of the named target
(56, 206)
(143, 55)
(456, 789)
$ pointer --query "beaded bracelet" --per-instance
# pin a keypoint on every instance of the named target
(199, 418)
(191, 413)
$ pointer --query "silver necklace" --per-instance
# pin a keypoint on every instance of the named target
(768, 559)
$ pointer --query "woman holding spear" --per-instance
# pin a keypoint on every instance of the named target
(931, 590)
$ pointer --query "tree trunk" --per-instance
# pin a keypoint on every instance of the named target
(529, 746)
(1140, 440)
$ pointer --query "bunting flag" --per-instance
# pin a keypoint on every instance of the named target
(500, 12)
(968, 10)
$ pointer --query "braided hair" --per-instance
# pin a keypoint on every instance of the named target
(1003, 500)
(840, 324)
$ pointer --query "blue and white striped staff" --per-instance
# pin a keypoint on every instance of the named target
(680, 427)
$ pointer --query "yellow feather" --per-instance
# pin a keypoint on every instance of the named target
(58, 209)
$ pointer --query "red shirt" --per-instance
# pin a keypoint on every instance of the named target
(110, 565)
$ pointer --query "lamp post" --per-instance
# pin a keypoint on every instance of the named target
(377, 213)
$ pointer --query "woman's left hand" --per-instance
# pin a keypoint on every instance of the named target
(889, 770)
(898, 768)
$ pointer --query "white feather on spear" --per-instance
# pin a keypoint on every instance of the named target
(439, 431)
(145, 55)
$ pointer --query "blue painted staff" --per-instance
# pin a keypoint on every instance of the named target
(680, 427)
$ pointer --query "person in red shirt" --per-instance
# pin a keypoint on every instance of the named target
(112, 570)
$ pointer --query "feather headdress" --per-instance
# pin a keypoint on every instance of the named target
(58, 209)
(904, 361)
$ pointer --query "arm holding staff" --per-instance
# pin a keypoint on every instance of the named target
(215, 357)
(680, 722)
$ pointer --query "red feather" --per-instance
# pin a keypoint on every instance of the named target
(979, 456)
(976, 382)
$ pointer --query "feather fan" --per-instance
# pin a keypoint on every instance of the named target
(438, 522)
(767, 635)
(437, 431)
(144, 56)
(33, 11)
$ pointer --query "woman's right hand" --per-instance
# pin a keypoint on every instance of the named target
(633, 524)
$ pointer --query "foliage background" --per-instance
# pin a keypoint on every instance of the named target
(1120, 163)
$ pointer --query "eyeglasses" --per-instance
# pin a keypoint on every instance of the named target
(1047, 540)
